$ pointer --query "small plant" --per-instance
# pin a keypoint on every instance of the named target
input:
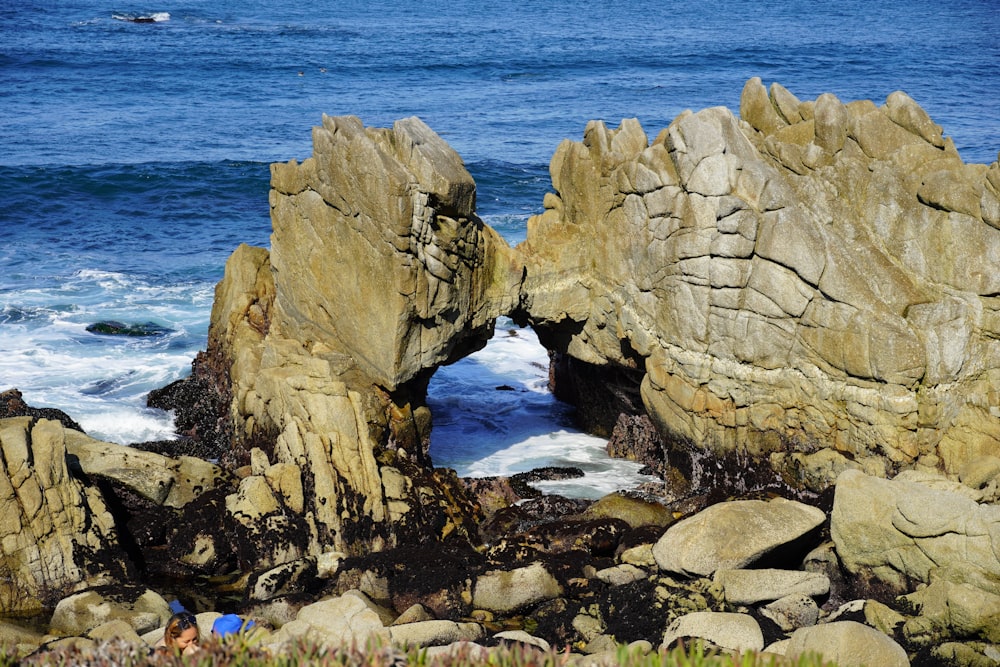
(310, 654)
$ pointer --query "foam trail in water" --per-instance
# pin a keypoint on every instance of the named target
(493, 415)
(101, 381)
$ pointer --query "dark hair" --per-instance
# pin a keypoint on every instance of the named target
(177, 624)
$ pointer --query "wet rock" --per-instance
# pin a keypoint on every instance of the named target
(115, 328)
(633, 509)
(12, 405)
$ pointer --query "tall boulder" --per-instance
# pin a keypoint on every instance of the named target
(379, 272)
(809, 277)
(57, 534)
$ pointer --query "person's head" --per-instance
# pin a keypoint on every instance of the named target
(181, 631)
(230, 624)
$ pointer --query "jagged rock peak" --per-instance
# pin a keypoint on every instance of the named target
(807, 277)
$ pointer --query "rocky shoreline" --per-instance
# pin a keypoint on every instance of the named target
(781, 315)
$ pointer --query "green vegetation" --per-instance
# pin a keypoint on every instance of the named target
(236, 654)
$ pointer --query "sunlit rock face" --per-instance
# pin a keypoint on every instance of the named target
(57, 533)
(807, 286)
(379, 272)
(813, 276)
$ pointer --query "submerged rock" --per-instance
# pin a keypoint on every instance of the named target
(114, 328)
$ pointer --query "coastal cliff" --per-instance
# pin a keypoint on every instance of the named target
(806, 290)
(807, 284)
(802, 288)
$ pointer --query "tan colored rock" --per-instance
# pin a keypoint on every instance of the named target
(792, 612)
(619, 575)
(434, 633)
(56, 534)
(115, 629)
(752, 586)
(906, 530)
(80, 613)
(172, 482)
(953, 610)
(636, 512)
(414, 614)
(734, 632)
(847, 644)
(522, 637)
(505, 591)
(342, 621)
(396, 206)
(314, 354)
(733, 534)
(802, 281)
(23, 640)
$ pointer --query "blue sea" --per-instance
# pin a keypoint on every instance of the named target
(135, 141)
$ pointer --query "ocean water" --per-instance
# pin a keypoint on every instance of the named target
(135, 141)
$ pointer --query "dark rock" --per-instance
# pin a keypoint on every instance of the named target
(521, 482)
(635, 438)
(599, 393)
(201, 415)
(113, 328)
(12, 405)
(553, 621)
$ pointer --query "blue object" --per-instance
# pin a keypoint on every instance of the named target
(229, 624)
(175, 606)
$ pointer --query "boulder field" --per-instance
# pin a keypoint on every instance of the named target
(790, 316)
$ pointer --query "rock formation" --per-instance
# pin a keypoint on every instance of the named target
(806, 291)
(801, 289)
(379, 272)
(56, 533)
(808, 284)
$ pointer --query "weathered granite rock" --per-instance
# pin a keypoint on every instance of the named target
(767, 584)
(117, 629)
(905, 531)
(792, 612)
(806, 277)
(143, 609)
(521, 637)
(342, 621)
(56, 534)
(434, 633)
(952, 610)
(735, 632)
(396, 206)
(507, 591)
(733, 535)
(160, 479)
(848, 644)
(326, 368)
